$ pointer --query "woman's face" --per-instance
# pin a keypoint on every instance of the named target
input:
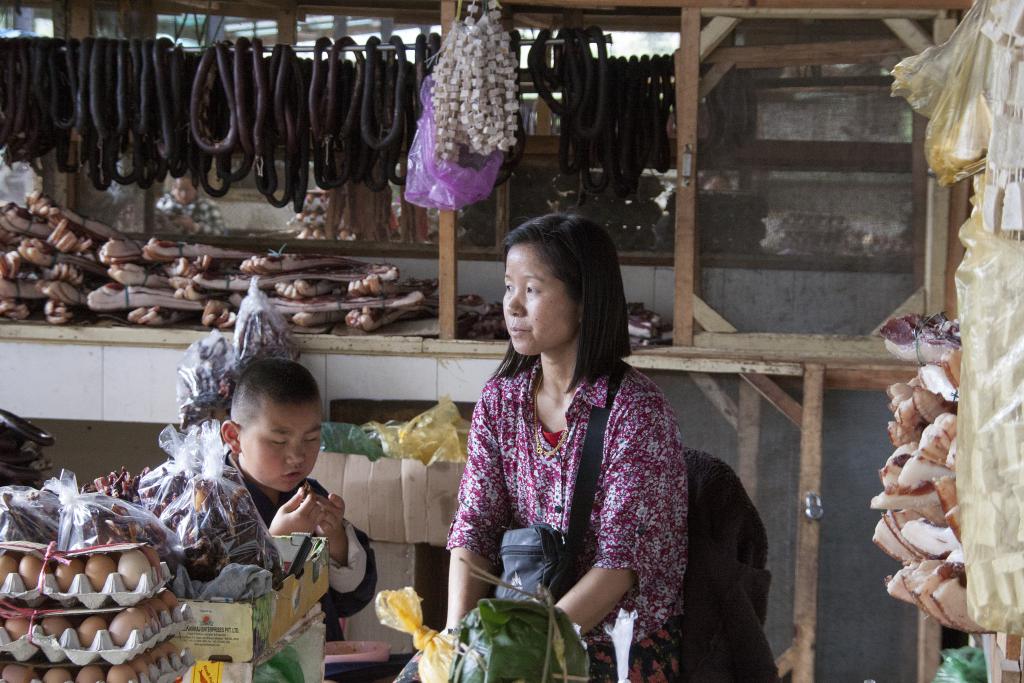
(540, 315)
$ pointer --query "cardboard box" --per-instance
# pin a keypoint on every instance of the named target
(398, 501)
(243, 631)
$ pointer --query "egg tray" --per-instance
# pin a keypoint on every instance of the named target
(67, 647)
(168, 670)
(81, 593)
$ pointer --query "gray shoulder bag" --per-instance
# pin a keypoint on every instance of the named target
(541, 555)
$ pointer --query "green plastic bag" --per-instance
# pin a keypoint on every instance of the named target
(963, 665)
(284, 667)
(342, 437)
(513, 640)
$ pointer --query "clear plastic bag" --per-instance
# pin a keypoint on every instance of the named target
(990, 425)
(400, 610)
(920, 79)
(215, 516)
(436, 435)
(260, 329)
(443, 184)
(206, 379)
(28, 514)
(958, 133)
(92, 519)
(164, 484)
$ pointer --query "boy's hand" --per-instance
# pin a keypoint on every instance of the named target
(331, 525)
(299, 515)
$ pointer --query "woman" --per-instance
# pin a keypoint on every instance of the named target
(566, 315)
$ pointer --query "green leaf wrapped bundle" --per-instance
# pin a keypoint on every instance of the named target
(518, 640)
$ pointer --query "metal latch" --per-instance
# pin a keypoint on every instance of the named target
(812, 506)
(687, 165)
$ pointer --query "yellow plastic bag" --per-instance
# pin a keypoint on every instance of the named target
(437, 435)
(948, 83)
(401, 611)
(990, 422)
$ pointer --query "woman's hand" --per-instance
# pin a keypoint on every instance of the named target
(464, 591)
(596, 595)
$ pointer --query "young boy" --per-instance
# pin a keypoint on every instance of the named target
(274, 436)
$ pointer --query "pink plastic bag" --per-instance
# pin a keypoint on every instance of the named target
(443, 184)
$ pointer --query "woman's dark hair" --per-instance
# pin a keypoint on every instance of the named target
(583, 256)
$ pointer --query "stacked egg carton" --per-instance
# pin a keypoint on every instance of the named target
(98, 615)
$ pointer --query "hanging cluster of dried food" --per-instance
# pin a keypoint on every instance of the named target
(614, 113)
(146, 109)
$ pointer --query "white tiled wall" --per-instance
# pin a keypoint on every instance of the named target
(51, 380)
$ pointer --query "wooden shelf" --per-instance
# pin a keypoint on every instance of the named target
(850, 362)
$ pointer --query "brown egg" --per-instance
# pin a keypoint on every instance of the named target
(15, 673)
(154, 559)
(122, 673)
(90, 674)
(55, 626)
(121, 626)
(139, 665)
(8, 565)
(168, 598)
(88, 629)
(16, 628)
(58, 676)
(66, 573)
(98, 568)
(30, 568)
(132, 566)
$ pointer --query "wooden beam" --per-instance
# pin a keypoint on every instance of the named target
(913, 304)
(687, 82)
(936, 247)
(919, 194)
(712, 35)
(859, 14)
(748, 438)
(911, 33)
(959, 212)
(805, 599)
(836, 52)
(447, 257)
(929, 643)
(713, 77)
(708, 318)
(719, 398)
(795, 5)
(777, 396)
(287, 26)
(809, 347)
(833, 155)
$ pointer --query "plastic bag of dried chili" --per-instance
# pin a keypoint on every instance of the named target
(28, 514)
(206, 379)
(260, 330)
(214, 515)
(446, 184)
(93, 519)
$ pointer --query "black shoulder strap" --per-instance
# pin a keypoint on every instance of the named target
(590, 467)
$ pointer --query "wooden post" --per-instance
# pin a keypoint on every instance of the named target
(919, 196)
(937, 218)
(687, 85)
(748, 437)
(447, 252)
(929, 643)
(287, 28)
(805, 599)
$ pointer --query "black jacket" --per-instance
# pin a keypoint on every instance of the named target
(725, 592)
(334, 604)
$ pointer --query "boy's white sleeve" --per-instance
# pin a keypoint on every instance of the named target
(347, 579)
